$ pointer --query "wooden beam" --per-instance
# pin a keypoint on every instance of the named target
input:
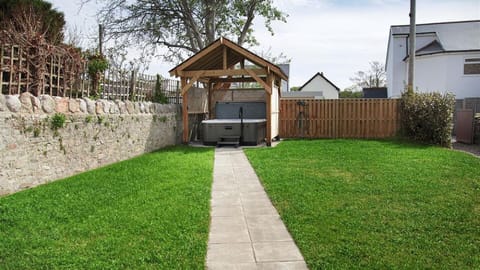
(178, 69)
(190, 83)
(224, 57)
(254, 58)
(221, 72)
(235, 79)
(185, 112)
(268, 88)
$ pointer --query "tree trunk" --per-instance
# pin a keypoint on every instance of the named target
(210, 21)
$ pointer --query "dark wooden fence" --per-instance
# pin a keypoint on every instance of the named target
(340, 118)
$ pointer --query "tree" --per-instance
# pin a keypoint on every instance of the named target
(350, 94)
(375, 77)
(294, 88)
(48, 21)
(184, 27)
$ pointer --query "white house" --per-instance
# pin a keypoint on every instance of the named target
(447, 58)
(318, 87)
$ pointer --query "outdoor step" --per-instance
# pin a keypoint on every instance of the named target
(226, 138)
(220, 143)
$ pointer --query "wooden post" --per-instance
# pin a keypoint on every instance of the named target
(100, 39)
(177, 93)
(133, 81)
(209, 100)
(268, 97)
(185, 111)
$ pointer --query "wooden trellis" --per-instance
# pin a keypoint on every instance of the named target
(18, 72)
(58, 75)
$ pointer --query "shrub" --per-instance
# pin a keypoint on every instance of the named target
(58, 121)
(97, 64)
(159, 96)
(428, 117)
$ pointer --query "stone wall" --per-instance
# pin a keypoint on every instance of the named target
(95, 133)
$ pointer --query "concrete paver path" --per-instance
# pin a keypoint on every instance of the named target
(246, 231)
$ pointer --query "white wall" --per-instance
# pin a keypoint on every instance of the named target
(444, 73)
(396, 75)
(319, 84)
(461, 85)
(439, 72)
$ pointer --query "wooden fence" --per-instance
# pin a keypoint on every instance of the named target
(54, 76)
(57, 79)
(340, 118)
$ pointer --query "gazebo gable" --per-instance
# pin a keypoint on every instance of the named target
(223, 54)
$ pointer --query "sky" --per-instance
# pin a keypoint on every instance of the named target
(336, 37)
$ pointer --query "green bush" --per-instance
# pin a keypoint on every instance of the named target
(159, 96)
(58, 121)
(428, 117)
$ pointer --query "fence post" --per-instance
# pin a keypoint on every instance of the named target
(133, 80)
(177, 91)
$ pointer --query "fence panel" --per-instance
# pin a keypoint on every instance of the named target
(341, 118)
(54, 76)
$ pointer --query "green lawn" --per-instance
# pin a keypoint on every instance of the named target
(353, 204)
(151, 212)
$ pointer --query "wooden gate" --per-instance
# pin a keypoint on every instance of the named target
(340, 118)
(464, 126)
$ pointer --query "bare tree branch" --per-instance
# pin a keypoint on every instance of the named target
(183, 26)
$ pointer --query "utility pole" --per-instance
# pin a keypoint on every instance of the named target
(411, 57)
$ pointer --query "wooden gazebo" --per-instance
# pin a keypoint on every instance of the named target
(223, 63)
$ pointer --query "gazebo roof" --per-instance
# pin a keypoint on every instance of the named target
(223, 54)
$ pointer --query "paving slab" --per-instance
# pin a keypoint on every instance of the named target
(233, 253)
(246, 231)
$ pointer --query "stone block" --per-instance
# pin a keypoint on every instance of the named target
(26, 102)
(151, 107)
(136, 107)
(121, 106)
(99, 107)
(73, 106)
(106, 105)
(141, 105)
(61, 105)
(36, 104)
(129, 106)
(82, 105)
(91, 106)
(3, 103)
(114, 108)
(13, 103)
(48, 103)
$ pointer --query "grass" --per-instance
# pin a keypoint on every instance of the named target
(353, 204)
(151, 212)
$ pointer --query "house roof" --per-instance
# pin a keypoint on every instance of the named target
(458, 35)
(211, 58)
(434, 46)
(449, 37)
(320, 74)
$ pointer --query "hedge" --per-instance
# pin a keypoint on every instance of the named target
(428, 117)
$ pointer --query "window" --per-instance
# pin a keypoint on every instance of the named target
(471, 66)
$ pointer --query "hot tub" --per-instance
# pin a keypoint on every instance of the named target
(217, 130)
